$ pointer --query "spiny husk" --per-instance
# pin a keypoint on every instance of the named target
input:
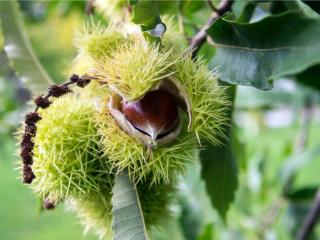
(133, 69)
(174, 36)
(96, 41)
(70, 164)
(93, 42)
(207, 99)
(164, 162)
(123, 59)
(79, 146)
(155, 201)
(68, 160)
(94, 211)
(112, 9)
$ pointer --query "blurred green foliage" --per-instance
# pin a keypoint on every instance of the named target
(19, 210)
(51, 26)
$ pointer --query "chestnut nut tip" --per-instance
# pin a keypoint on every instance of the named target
(156, 114)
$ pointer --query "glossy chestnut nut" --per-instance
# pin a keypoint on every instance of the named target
(156, 114)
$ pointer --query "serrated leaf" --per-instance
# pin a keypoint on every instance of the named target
(19, 50)
(128, 222)
(220, 170)
(256, 53)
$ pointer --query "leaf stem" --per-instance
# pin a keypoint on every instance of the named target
(200, 38)
(211, 5)
(89, 9)
(310, 219)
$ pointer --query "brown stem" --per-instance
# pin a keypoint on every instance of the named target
(311, 219)
(89, 7)
(302, 138)
(313, 214)
(213, 8)
(200, 38)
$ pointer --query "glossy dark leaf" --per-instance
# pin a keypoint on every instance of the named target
(310, 77)
(243, 9)
(302, 194)
(255, 54)
(302, 7)
(220, 171)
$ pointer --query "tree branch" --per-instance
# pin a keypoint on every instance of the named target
(200, 38)
(310, 219)
(313, 214)
(302, 138)
(213, 8)
(89, 7)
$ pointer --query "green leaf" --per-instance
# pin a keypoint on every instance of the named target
(146, 13)
(190, 218)
(307, 176)
(207, 233)
(301, 6)
(310, 77)
(243, 9)
(1, 39)
(314, 5)
(169, 7)
(255, 54)
(252, 98)
(302, 194)
(220, 171)
(19, 50)
(128, 221)
(297, 162)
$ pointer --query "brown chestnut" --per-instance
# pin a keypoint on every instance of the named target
(156, 114)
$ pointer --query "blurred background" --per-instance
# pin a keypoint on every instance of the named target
(277, 149)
